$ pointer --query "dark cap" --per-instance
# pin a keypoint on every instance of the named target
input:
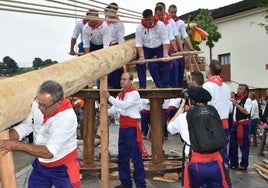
(199, 94)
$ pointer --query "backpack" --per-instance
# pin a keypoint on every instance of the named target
(205, 129)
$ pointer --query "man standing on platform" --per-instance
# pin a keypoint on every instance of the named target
(53, 123)
(76, 32)
(130, 143)
(117, 30)
(151, 40)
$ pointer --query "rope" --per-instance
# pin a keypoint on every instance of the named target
(15, 8)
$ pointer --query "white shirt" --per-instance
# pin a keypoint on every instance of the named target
(165, 104)
(130, 106)
(180, 125)
(220, 98)
(254, 113)
(153, 37)
(98, 36)
(145, 104)
(58, 134)
(173, 25)
(175, 102)
(78, 30)
(247, 106)
(170, 31)
(181, 29)
(117, 30)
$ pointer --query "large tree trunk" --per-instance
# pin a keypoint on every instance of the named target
(17, 93)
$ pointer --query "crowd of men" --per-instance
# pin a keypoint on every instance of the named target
(53, 122)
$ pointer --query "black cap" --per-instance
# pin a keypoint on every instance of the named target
(199, 94)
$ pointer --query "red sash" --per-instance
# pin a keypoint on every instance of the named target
(127, 122)
(240, 135)
(72, 165)
(205, 158)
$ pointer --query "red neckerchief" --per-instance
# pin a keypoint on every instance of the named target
(154, 23)
(176, 18)
(167, 16)
(98, 24)
(121, 95)
(216, 79)
(85, 21)
(65, 104)
(110, 22)
(239, 98)
(165, 21)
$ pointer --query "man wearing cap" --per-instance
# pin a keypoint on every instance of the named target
(204, 169)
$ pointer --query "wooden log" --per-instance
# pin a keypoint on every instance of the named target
(18, 92)
(262, 171)
(7, 169)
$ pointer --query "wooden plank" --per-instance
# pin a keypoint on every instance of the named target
(187, 53)
(7, 169)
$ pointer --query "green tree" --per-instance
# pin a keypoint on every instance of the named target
(11, 65)
(204, 20)
(37, 63)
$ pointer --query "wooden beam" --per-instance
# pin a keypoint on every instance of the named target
(18, 92)
(7, 169)
(104, 131)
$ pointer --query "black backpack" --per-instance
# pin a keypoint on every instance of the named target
(205, 129)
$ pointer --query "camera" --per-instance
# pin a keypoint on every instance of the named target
(185, 96)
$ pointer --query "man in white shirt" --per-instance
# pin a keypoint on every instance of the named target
(151, 40)
(117, 30)
(96, 33)
(76, 32)
(254, 117)
(53, 123)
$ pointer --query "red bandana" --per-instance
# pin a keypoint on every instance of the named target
(154, 23)
(216, 79)
(121, 95)
(176, 18)
(167, 16)
(65, 104)
(84, 21)
(98, 24)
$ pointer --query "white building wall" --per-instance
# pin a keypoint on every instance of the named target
(247, 43)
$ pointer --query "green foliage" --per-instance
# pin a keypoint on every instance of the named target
(9, 65)
(263, 3)
(39, 63)
(204, 20)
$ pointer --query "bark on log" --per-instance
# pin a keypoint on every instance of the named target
(17, 93)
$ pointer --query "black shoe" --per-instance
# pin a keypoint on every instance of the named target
(242, 168)
(233, 167)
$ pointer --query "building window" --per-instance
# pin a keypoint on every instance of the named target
(225, 60)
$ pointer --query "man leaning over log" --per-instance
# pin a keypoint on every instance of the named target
(53, 123)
